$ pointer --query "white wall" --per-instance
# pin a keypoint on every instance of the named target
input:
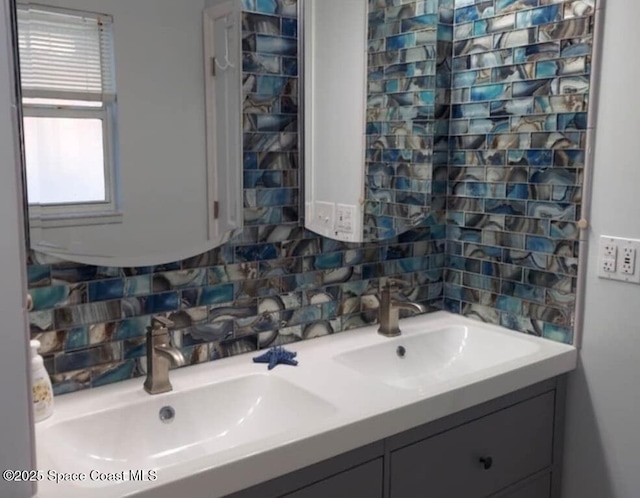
(602, 454)
(161, 131)
(15, 423)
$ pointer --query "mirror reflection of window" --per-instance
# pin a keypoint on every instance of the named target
(69, 98)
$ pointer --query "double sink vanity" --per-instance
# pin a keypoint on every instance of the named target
(452, 406)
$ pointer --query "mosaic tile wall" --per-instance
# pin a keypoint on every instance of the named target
(276, 283)
(402, 44)
(442, 110)
(517, 150)
(500, 243)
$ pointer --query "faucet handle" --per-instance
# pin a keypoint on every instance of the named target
(393, 284)
(160, 322)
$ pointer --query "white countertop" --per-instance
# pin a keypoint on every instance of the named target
(365, 411)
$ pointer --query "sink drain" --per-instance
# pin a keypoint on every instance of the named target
(401, 352)
(167, 414)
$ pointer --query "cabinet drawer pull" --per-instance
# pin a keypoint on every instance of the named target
(487, 462)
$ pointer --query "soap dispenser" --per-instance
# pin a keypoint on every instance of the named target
(41, 389)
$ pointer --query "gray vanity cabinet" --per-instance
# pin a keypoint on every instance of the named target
(364, 480)
(510, 447)
(540, 487)
(355, 474)
(479, 458)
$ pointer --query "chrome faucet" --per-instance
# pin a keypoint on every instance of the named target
(160, 356)
(389, 311)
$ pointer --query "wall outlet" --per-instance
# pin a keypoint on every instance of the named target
(608, 257)
(610, 249)
(628, 263)
(609, 265)
(617, 259)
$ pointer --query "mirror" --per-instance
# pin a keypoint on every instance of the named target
(370, 93)
(132, 127)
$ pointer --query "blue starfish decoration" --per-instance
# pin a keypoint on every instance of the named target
(277, 355)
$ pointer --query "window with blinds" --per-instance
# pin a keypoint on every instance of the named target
(66, 55)
(69, 95)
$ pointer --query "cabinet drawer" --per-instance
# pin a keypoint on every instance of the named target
(540, 488)
(363, 481)
(514, 443)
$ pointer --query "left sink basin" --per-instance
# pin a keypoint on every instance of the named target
(205, 420)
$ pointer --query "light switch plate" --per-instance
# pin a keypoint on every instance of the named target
(345, 218)
(323, 218)
(325, 214)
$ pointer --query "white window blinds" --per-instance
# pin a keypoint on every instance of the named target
(66, 55)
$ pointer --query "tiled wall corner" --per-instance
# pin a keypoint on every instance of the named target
(275, 283)
(442, 112)
(517, 150)
(402, 41)
(508, 124)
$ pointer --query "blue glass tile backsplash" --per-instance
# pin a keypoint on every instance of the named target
(521, 78)
(489, 101)
(403, 70)
(275, 283)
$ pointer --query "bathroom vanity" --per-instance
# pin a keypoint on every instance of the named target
(452, 406)
(506, 448)
(206, 187)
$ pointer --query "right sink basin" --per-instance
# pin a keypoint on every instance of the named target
(421, 359)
